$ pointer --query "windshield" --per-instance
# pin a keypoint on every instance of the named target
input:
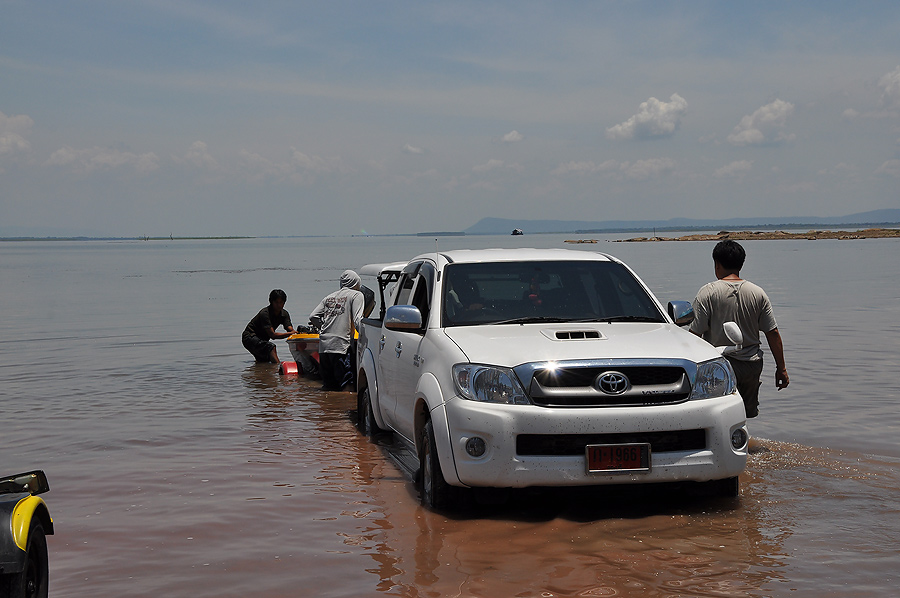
(522, 292)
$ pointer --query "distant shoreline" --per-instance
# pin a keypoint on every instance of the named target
(811, 235)
(743, 233)
(224, 238)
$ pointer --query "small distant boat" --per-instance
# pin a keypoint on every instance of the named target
(517, 231)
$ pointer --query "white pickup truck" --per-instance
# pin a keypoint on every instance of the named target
(509, 368)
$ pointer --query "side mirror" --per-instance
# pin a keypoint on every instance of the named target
(681, 312)
(733, 332)
(34, 482)
(403, 318)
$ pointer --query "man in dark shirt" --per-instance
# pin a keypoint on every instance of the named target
(260, 331)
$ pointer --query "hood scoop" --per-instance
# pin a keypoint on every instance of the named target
(573, 335)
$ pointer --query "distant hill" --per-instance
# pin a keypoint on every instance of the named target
(494, 226)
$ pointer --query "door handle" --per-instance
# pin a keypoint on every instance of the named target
(399, 348)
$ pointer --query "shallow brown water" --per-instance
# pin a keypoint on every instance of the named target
(292, 501)
(180, 468)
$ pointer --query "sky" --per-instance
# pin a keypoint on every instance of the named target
(201, 118)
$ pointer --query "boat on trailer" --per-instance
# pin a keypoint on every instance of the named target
(304, 344)
(304, 347)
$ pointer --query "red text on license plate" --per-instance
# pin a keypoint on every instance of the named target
(618, 458)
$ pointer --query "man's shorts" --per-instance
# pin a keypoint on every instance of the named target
(260, 349)
(747, 374)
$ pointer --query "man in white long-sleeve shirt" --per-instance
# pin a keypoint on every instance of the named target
(337, 317)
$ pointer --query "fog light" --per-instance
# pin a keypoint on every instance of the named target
(739, 438)
(475, 446)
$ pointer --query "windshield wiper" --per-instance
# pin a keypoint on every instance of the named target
(630, 319)
(533, 320)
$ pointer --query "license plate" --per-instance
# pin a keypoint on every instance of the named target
(618, 458)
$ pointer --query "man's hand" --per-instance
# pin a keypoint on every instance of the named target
(781, 378)
(777, 347)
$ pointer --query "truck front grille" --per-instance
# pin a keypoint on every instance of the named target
(579, 386)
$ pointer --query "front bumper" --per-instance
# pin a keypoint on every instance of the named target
(505, 465)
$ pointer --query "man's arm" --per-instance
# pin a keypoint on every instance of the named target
(265, 323)
(700, 324)
(273, 334)
(315, 318)
(288, 325)
(777, 347)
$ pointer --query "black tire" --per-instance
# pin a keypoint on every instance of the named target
(727, 488)
(365, 415)
(435, 492)
(33, 581)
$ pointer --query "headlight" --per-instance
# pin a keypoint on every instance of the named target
(714, 379)
(488, 384)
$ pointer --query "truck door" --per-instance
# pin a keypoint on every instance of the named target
(401, 358)
(388, 364)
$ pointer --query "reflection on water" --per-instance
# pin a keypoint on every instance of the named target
(777, 539)
(577, 543)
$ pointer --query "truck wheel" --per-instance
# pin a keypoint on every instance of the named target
(727, 488)
(32, 582)
(365, 416)
(436, 493)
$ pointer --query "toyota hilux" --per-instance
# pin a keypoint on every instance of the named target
(508, 368)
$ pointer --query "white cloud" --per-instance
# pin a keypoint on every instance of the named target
(198, 155)
(654, 119)
(649, 169)
(765, 126)
(315, 164)
(840, 169)
(850, 114)
(494, 164)
(257, 167)
(738, 168)
(579, 167)
(411, 149)
(98, 158)
(890, 89)
(410, 179)
(512, 137)
(13, 130)
(639, 170)
(491, 164)
(889, 168)
(299, 168)
(11, 143)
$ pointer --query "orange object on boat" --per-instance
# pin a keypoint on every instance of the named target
(289, 367)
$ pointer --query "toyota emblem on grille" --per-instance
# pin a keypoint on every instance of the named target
(612, 383)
